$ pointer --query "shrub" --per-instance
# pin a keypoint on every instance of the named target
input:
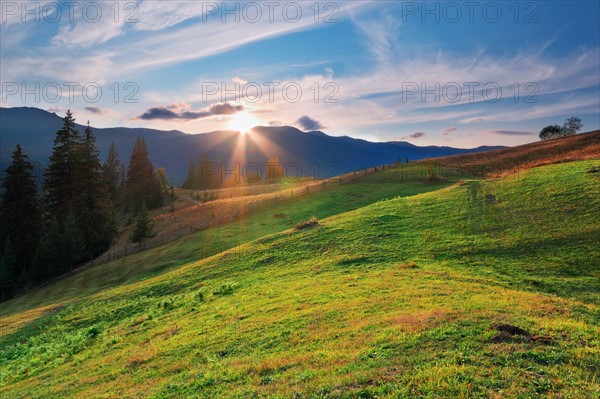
(224, 289)
(313, 221)
(409, 265)
(93, 331)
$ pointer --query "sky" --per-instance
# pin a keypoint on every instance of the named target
(461, 74)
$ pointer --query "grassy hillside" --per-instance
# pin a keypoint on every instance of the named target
(257, 223)
(407, 297)
(500, 162)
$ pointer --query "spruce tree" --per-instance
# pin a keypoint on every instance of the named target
(142, 185)
(48, 259)
(60, 249)
(72, 243)
(111, 173)
(61, 179)
(95, 217)
(190, 181)
(20, 218)
(143, 227)
(208, 176)
(8, 262)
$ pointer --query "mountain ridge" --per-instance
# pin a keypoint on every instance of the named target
(34, 129)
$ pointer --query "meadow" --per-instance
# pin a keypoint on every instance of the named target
(472, 288)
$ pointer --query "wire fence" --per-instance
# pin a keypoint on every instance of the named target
(218, 212)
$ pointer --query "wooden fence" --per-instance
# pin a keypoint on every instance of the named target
(227, 214)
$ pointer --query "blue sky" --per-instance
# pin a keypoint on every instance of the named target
(446, 73)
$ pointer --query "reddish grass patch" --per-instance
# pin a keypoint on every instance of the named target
(503, 162)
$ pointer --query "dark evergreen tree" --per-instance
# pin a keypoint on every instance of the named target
(8, 263)
(95, 217)
(48, 260)
(190, 182)
(72, 243)
(208, 176)
(142, 186)
(59, 250)
(20, 218)
(111, 173)
(61, 179)
(143, 227)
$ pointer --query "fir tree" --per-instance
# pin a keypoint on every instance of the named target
(20, 218)
(8, 263)
(95, 218)
(208, 176)
(72, 243)
(47, 261)
(142, 185)
(190, 181)
(59, 249)
(143, 226)
(111, 173)
(61, 178)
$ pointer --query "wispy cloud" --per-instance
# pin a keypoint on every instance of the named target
(308, 123)
(182, 112)
(415, 135)
(449, 130)
(96, 110)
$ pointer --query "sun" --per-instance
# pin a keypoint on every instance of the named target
(243, 122)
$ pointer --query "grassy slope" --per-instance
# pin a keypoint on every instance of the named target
(273, 219)
(500, 162)
(332, 311)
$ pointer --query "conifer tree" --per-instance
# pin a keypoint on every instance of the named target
(20, 218)
(72, 243)
(61, 179)
(95, 217)
(142, 186)
(8, 263)
(208, 176)
(190, 181)
(59, 250)
(143, 227)
(111, 173)
(47, 261)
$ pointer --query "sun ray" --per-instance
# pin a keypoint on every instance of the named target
(243, 122)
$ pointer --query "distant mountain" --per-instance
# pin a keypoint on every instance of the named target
(314, 153)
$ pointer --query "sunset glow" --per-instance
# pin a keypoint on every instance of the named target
(243, 122)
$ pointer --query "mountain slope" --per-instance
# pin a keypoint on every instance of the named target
(412, 297)
(317, 154)
(502, 161)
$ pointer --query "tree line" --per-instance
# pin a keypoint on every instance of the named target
(76, 215)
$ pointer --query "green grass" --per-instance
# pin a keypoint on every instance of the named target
(258, 223)
(397, 299)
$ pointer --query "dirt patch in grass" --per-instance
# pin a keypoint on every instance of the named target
(420, 320)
